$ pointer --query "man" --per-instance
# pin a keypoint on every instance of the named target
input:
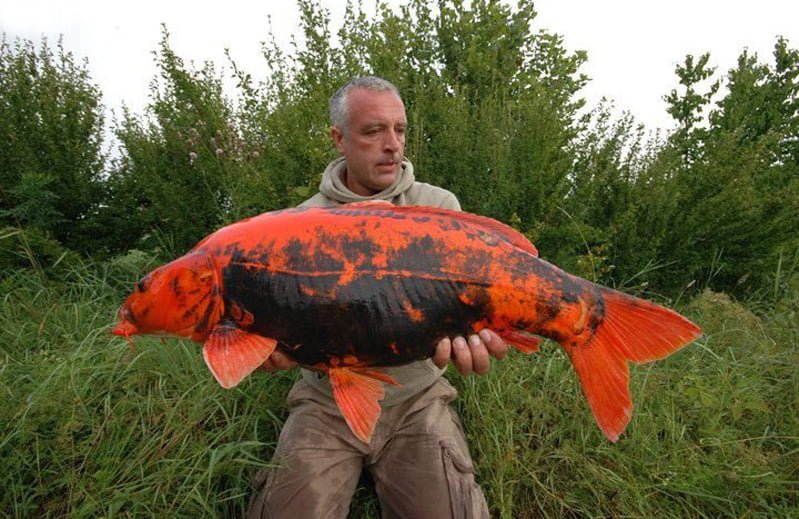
(418, 455)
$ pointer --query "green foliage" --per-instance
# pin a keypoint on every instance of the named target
(714, 205)
(35, 249)
(687, 108)
(91, 426)
(185, 171)
(713, 432)
(50, 142)
(733, 184)
(493, 107)
(496, 122)
(35, 201)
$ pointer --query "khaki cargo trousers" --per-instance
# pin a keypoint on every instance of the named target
(418, 459)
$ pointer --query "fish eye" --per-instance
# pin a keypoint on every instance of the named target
(143, 284)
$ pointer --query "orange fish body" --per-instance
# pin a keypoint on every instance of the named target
(350, 289)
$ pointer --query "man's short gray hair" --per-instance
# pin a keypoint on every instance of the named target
(339, 104)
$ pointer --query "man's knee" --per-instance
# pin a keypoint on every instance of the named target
(315, 467)
(426, 469)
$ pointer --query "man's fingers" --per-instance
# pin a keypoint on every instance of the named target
(267, 366)
(480, 360)
(282, 361)
(462, 356)
(278, 361)
(495, 345)
(443, 353)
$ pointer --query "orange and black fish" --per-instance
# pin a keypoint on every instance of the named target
(350, 289)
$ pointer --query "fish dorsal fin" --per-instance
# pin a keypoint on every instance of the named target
(357, 393)
(485, 223)
(232, 353)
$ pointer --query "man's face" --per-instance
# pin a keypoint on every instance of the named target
(373, 143)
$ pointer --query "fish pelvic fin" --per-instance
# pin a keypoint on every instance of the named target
(357, 392)
(232, 353)
(631, 330)
(522, 341)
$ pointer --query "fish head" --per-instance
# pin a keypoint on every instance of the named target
(180, 298)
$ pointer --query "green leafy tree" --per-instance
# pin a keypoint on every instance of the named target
(689, 107)
(730, 192)
(185, 168)
(490, 103)
(51, 130)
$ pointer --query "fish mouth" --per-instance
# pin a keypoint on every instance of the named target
(124, 328)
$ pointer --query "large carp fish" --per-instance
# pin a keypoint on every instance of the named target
(350, 289)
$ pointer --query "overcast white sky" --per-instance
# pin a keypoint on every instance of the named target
(633, 46)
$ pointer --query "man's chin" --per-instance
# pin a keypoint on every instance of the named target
(386, 176)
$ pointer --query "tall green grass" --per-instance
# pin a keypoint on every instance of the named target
(715, 430)
(91, 427)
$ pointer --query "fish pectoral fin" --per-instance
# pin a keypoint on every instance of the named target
(524, 342)
(232, 353)
(357, 392)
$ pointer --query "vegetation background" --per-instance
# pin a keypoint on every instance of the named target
(705, 218)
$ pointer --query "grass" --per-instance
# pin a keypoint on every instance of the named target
(90, 427)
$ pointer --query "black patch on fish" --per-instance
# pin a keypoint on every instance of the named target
(358, 212)
(261, 253)
(357, 249)
(232, 249)
(205, 320)
(189, 313)
(478, 262)
(422, 254)
(597, 314)
(301, 258)
(447, 224)
(144, 283)
(175, 285)
(294, 252)
(362, 318)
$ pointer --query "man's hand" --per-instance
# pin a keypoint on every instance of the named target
(471, 357)
(278, 361)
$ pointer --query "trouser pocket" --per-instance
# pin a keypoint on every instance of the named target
(466, 498)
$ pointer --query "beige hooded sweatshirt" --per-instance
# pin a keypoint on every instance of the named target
(417, 376)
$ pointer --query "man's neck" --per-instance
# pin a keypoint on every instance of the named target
(363, 191)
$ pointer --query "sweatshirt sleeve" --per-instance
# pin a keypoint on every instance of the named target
(451, 202)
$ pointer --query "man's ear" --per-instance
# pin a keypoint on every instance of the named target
(338, 138)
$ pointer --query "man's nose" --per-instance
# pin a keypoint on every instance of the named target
(392, 141)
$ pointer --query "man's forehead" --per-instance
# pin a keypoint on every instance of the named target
(375, 104)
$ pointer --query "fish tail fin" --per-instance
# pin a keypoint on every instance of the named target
(631, 330)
